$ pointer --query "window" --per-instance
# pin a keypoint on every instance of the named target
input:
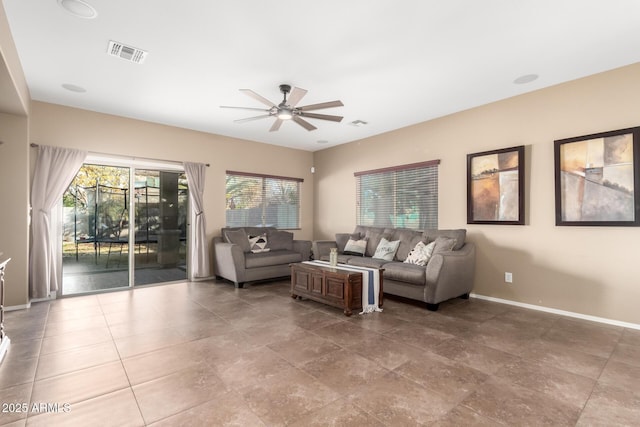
(262, 201)
(401, 196)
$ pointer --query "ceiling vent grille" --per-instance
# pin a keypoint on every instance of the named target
(128, 53)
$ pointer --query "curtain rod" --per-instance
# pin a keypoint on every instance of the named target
(34, 145)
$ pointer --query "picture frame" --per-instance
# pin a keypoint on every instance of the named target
(495, 187)
(597, 181)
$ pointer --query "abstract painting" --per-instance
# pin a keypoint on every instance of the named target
(495, 187)
(596, 179)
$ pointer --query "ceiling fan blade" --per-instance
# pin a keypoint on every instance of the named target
(246, 108)
(321, 116)
(257, 97)
(305, 124)
(250, 119)
(276, 125)
(296, 95)
(322, 105)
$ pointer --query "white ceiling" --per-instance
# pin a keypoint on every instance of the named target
(393, 63)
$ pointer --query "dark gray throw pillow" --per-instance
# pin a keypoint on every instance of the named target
(238, 237)
(280, 239)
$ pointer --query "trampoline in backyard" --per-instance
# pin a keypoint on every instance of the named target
(96, 236)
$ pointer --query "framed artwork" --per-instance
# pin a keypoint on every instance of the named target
(495, 187)
(597, 179)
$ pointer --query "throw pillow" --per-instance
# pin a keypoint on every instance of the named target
(258, 243)
(386, 250)
(355, 247)
(421, 253)
(343, 238)
(238, 237)
(444, 244)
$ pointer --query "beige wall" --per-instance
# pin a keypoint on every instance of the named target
(68, 127)
(588, 270)
(14, 203)
(14, 93)
(101, 133)
(14, 174)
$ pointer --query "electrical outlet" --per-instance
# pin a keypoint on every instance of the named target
(508, 277)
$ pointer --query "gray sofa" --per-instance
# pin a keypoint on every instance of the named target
(447, 274)
(240, 260)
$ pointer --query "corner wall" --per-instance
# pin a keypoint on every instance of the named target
(14, 207)
(589, 270)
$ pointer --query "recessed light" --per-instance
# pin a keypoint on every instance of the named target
(527, 78)
(78, 8)
(358, 123)
(74, 88)
(322, 141)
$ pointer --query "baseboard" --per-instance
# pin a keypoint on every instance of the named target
(4, 347)
(202, 279)
(18, 307)
(560, 312)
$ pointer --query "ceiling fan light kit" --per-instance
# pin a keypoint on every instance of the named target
(287, 109)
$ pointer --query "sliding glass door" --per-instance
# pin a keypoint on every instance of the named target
(123, 226)
(160, 204)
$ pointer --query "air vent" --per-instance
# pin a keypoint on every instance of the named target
(126, 52)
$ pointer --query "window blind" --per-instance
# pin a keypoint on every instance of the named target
(401, 196)
(256, 200)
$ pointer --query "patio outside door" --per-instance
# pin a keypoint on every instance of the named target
(123, 227)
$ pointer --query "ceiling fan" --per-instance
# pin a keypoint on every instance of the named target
(287, 109)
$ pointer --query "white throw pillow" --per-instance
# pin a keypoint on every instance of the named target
(258, 243)
(421, 253)
(386, 250)
(355, 247)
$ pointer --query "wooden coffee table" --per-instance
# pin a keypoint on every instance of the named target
(329, 285)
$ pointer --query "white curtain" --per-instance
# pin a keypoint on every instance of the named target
(55, 169)
(198, 253)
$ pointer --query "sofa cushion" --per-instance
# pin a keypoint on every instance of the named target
(404, 272)
(458, 234)
(343, 238)
(355, 247)
(268, 259)
(237, 237)
(386, 250)
(280, 239)
(443, 244)
(408, 240)
(366, 262)
(420, 254)
(258, 243)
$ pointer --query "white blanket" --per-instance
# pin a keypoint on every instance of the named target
(370, 284)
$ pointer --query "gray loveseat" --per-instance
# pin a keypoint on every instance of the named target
(266, 256)
(447, 274)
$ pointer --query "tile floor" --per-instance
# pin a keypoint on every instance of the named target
(208, 354)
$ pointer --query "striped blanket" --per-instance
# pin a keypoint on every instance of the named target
(370, 284)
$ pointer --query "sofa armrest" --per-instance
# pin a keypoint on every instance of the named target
(304, 248)
(322, 248)
(229, 261)
(450, 274)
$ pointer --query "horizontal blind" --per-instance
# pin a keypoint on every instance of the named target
(262, 201)
(400, 197)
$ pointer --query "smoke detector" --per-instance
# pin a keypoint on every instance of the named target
(125, 52)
